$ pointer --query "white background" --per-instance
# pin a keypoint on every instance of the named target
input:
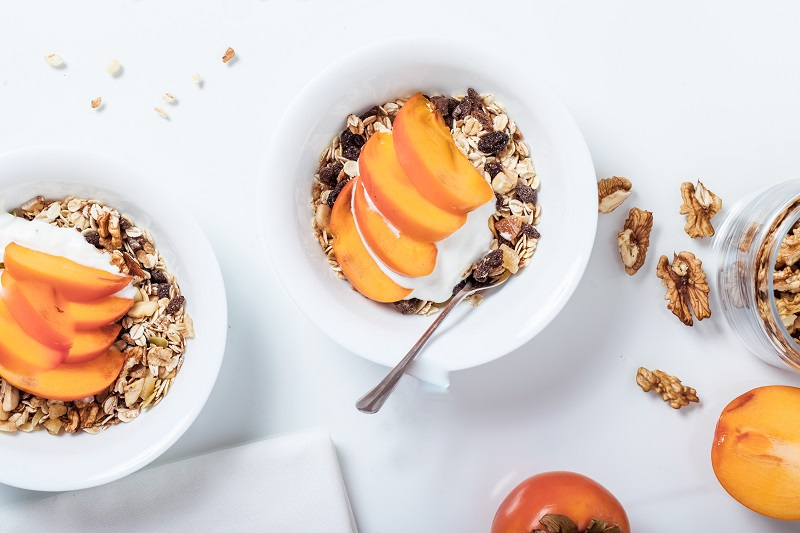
(664, 93)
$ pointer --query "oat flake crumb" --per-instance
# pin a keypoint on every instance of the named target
(113, 67)
(197, 79)
(161, 112)
(229, 53)
(168, 97)
(54, 60)
(97, 102)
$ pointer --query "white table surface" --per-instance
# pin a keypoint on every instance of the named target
(663, 93)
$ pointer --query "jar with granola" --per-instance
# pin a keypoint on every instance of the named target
(758, 273)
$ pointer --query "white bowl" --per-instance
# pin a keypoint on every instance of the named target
(509, 316)
(40, 461)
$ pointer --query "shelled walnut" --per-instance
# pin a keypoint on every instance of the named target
(634, 239)
(687, 289)
(699, 206)
(669, 387)
(611, 192)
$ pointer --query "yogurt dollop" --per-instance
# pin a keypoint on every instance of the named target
(456, 253)
(64, 242)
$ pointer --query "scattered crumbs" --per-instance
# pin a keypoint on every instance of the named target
(161, 112)
(229, 53)
(168, 97)
(197, 79)
(54, 60)
(97, 102)
(114, 67)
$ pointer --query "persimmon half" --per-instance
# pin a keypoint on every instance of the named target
(574, 496)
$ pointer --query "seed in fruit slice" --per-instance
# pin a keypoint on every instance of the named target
(398, 251)
(78, 283)
(432, 161)
(41, 312)
(756, 451)
(91, 344)
(395, 196)
(69, 382)
(21, 352)
(360, 268)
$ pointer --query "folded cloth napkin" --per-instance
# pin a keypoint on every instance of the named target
(286, 484)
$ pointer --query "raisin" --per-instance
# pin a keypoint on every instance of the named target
(493, 143)
(175, 304)
(407, 307)
(351, 144)
(500, 202)
(460, 286)
(371, 112)
(156, 276)
(493, 168)
(163, 290)
(124, 223)
(93, 239)
(493, 259)
(526, 194)
(529, 231)
(501, 241)
(329, 174)
(463, 109)
(481, 273)
(335, 192)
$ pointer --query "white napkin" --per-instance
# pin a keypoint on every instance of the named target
(286, 484)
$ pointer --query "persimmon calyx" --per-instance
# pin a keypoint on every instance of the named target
(556, 523)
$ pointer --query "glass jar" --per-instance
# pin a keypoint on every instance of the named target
(746, 249)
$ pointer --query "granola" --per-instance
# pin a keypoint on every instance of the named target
(153, 336)
(488, 138)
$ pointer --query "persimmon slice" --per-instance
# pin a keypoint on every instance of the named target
(78, 283)
(69, 382)
(22, 353)
(91, 344)
(41, 312)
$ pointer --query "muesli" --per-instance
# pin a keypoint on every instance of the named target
(153, 332)
(490, 140)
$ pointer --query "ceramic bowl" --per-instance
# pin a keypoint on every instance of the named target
(509, 316)
(41, 461)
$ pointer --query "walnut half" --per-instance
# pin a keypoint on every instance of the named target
(634, 239)
(686, 286)
(699, 205)
(669, 387)
(611, 192)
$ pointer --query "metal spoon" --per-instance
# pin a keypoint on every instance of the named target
(372, 401)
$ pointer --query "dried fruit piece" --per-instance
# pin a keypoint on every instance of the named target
(54, 60)
(493, 143)
(493, 168)
(229, 53)
(97, 102)
(175, 305)
(114, 67)
(611, 192)
(472, 105)
(669, 387)
(634, 239)
(686, 286)
(329, 174)
(700, 205)
(509, 228)
(351, 145)
(526, 193)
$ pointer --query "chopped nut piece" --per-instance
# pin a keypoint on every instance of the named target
(503, 183)
(699, 204)
(686, 286)
(611, 192)
(161, 112)
(669, 387)
(114, 67)
(54, 60)
(634, 239)
(509, 228)
(789, 249)
(97, 102)
(168, 97)
(229, 53)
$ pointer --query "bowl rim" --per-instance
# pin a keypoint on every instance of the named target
(211, 342)
(437, 47)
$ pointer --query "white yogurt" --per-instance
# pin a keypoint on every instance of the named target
(64, 242)
(456, 253)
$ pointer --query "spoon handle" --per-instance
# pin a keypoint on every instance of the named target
(372, 401)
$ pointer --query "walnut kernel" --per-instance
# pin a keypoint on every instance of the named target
(669, 387)
(634, 239)
(699, 206)
(687, 289)
(611, 192)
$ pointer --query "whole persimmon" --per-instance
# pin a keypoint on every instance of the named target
(550, 497)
